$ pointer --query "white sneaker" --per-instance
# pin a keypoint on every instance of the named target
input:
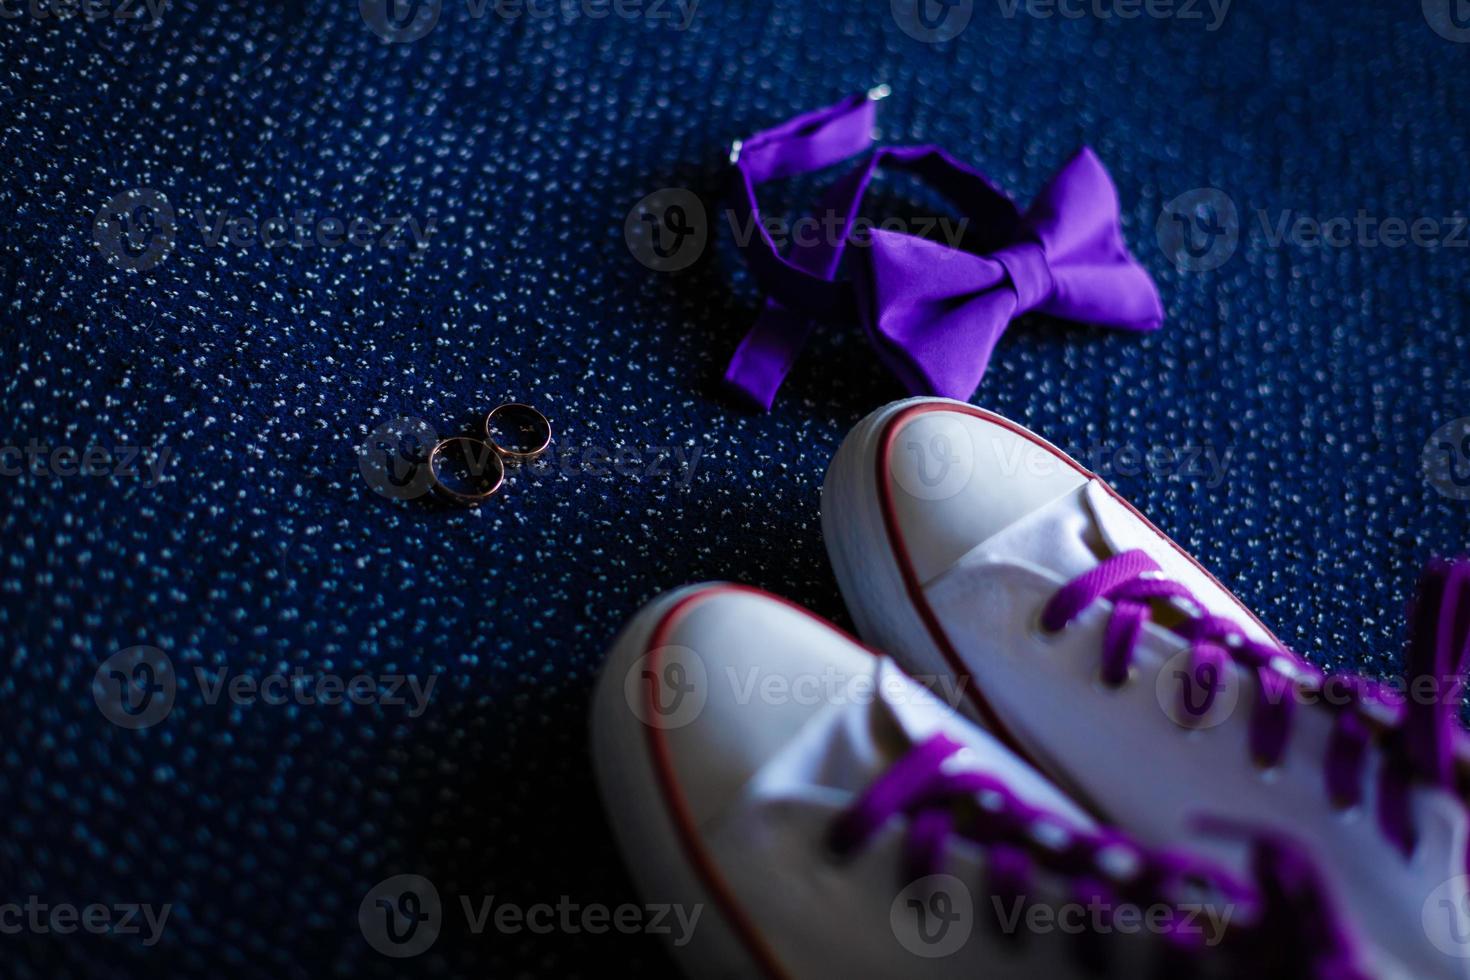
(811, 811)
(1097, 648)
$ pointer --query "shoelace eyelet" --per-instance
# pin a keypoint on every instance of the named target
(1103, 684)
(1050, 835)
(1038, 626)
(991, 802)
(834, 855)
(1119, 862)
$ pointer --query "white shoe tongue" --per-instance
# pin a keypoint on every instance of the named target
(846, 750)
(1070, 535)
(873, 725)
(1053, 537)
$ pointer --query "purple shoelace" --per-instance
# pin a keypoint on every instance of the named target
(920, 786)
(1294, 931)
(1300, 933)
(1417, 734)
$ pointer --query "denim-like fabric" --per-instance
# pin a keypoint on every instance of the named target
(1312, 375)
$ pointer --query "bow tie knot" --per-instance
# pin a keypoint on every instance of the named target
(1029, 271)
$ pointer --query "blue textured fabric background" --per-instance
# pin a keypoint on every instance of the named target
(1321, 371)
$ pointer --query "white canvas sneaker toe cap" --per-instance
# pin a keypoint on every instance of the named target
(950, 476)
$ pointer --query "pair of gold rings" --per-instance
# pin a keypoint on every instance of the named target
(514, 434)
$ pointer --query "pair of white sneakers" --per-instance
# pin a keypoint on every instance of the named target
(1085, 755)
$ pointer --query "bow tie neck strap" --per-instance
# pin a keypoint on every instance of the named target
(801, 287)
(811, 141)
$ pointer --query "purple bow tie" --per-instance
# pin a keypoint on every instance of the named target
(933, 312)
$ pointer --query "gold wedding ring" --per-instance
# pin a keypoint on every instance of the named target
(514, 417)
